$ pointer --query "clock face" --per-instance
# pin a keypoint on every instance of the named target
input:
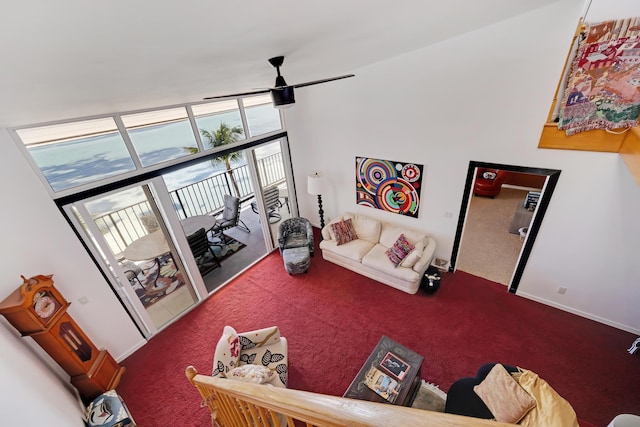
(45, 305)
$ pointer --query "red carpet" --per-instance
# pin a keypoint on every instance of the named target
(333, 318)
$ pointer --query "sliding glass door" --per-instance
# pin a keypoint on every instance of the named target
(130, 232)
(274, 201)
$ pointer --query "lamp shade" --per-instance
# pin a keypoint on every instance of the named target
(316, 184)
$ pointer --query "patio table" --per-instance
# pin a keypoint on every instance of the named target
(194, 223)
(150, 246)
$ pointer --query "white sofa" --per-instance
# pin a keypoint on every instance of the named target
(366, 255)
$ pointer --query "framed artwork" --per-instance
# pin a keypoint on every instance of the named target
(389, 185)
(395, 366)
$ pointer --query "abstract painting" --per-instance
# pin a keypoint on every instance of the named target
(389, 185)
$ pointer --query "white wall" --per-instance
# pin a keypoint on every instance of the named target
(483, 96)
(37, 240)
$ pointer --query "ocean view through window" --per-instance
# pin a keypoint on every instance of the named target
(82, 153)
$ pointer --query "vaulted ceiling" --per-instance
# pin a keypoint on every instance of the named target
(76, 58)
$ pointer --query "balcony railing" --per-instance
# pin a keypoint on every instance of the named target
(120, 228)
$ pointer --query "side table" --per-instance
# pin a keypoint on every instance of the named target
(431, 280)
(409, 384)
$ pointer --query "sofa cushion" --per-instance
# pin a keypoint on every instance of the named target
(377, 258)
(354, 250)
(505, 398)
(399, 250)
(295, 240)
(390, 233)
(413, 256)
(227, 353)
(366, 228)
(344, 231)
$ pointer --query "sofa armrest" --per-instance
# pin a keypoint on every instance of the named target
(427, 256)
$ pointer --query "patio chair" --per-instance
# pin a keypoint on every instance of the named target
(271, 202)
(230, 218)
(132, 270)
(202, 252)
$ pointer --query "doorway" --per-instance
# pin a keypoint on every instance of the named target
(138, 233)
(519, 262)
(130, 231)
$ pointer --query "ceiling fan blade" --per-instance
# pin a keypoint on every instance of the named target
(315, 82)
(233, 95)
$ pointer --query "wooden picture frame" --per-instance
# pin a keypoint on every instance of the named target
(394, 366)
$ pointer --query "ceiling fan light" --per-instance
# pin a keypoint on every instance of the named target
(283, 97)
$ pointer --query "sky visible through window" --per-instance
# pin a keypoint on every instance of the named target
(68, 160)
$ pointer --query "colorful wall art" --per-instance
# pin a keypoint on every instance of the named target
(388, 185)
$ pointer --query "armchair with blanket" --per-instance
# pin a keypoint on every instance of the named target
(258, 356)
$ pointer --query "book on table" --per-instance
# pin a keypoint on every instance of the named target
(382, 384)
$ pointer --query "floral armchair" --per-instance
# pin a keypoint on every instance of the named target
(262, 347)
(295, 233)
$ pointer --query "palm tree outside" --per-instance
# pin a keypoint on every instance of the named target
(225, 135)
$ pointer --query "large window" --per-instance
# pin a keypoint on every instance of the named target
(261, 116)
(79, 154)
(210, 116)
(73, 154)
(160, 135)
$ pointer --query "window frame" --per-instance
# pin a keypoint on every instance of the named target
(140, 170)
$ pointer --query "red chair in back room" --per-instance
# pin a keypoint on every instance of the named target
(488, 182)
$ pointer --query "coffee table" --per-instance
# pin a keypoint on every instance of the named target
(407, 387)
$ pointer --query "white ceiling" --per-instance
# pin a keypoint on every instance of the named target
(75, 58)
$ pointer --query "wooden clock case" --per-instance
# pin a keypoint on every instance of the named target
(37, 309)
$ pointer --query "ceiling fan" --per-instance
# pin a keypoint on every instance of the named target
(281, 94)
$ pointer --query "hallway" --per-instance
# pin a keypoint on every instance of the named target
(487, 249)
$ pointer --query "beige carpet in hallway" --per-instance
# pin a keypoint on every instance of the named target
(487, 248)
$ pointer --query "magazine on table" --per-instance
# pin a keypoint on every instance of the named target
(382, 384)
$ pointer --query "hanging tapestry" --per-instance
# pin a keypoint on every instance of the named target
(388, 185)
(603, 84)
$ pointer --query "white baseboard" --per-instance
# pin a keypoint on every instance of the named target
(580, 313)
(517, 187)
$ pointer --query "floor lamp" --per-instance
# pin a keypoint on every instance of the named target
(316, 186)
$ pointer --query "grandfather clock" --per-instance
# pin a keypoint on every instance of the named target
(37, 309)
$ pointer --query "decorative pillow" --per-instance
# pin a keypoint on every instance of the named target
(413, 256)
(257, 374)
(399, 250)
(344, 231)
(327, 231)
(505, 398)
(227, 353)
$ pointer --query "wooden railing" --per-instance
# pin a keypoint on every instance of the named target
(237, 404)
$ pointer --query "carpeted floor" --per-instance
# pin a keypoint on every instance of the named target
(487, 248)
(333, 318)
